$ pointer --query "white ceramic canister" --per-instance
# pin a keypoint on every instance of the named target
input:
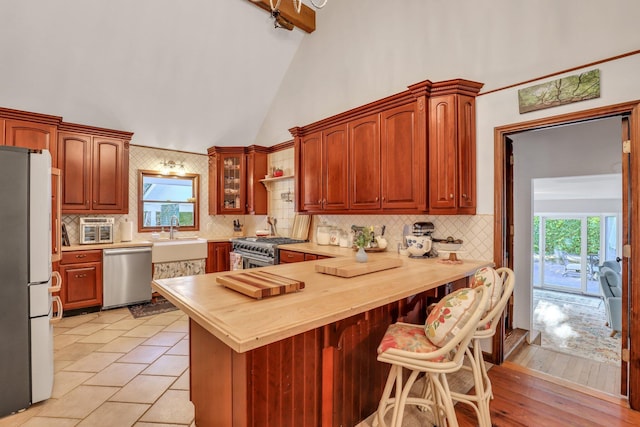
(323, 234)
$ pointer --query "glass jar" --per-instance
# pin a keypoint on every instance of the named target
(323, 234)
(334, 236)
(344, 239)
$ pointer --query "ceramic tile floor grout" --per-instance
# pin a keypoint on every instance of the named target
(114, 370)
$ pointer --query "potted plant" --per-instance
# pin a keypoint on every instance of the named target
(362, 239)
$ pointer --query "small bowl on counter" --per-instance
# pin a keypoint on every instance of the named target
(447, 245)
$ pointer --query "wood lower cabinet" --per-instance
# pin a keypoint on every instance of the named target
(81, 273)
(328, 376)
(95, 165)
(218, 257)
(287, 257)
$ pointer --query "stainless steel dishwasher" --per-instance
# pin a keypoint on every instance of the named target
(126, 276)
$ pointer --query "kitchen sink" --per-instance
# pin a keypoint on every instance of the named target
(179, 249)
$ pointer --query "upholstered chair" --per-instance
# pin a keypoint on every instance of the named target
(611, 287)
(499, 284)
(435, 349)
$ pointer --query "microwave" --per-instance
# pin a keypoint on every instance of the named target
(96, 230)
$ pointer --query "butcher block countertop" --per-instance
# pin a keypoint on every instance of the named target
(244, 323)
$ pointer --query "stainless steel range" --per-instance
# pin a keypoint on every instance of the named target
(259, 251)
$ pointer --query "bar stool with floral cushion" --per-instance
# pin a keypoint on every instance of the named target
(499, 284)
(436, 349)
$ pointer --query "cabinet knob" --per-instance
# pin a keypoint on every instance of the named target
(451, 196)
(80, 256)
(376, 199)
(464, 195)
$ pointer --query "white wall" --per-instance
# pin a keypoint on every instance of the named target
(364, 50)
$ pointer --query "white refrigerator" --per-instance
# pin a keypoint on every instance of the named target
(26, 302)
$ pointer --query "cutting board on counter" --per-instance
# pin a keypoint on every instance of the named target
(260, 284)
(348, 267)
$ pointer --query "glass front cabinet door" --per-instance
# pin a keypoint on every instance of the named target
(231, 179)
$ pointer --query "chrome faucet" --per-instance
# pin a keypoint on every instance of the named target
(171, 225)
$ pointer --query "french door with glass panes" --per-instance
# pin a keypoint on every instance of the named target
(568, 250)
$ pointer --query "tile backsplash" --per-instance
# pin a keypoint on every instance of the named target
(475, 230)
(146, 158)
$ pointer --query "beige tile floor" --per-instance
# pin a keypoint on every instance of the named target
(114, 370)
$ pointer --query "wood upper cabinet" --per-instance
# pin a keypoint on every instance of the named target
(364, 156)
(74, 152)
(452, 157)
(37, 136)
(335, 168)
(323, 166)
(257, 169)
(309, 150)
(110, 175)
(404, 158)
(29, 130)
(234, 180)
(466, 154)
(95, 170)
(413, 152)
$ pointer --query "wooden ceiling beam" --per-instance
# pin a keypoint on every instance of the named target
(305, 20)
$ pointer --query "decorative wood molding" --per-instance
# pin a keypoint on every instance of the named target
(458, 86)
(546, 76)
(8, 113)
(282, 146)
(111, 133)
(414, 92)
(169, 149)
(305, 20)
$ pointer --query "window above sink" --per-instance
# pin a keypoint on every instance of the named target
(163, 196)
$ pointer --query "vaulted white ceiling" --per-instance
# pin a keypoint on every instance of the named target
(190, 74)
(179, 74)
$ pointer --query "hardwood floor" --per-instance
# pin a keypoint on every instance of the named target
(523, 397)
(585, 372)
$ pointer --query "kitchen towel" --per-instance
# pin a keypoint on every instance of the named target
(127, 231)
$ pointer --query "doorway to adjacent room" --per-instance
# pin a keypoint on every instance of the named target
(507, 197)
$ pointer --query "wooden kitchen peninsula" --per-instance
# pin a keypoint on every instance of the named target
(300, 359)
